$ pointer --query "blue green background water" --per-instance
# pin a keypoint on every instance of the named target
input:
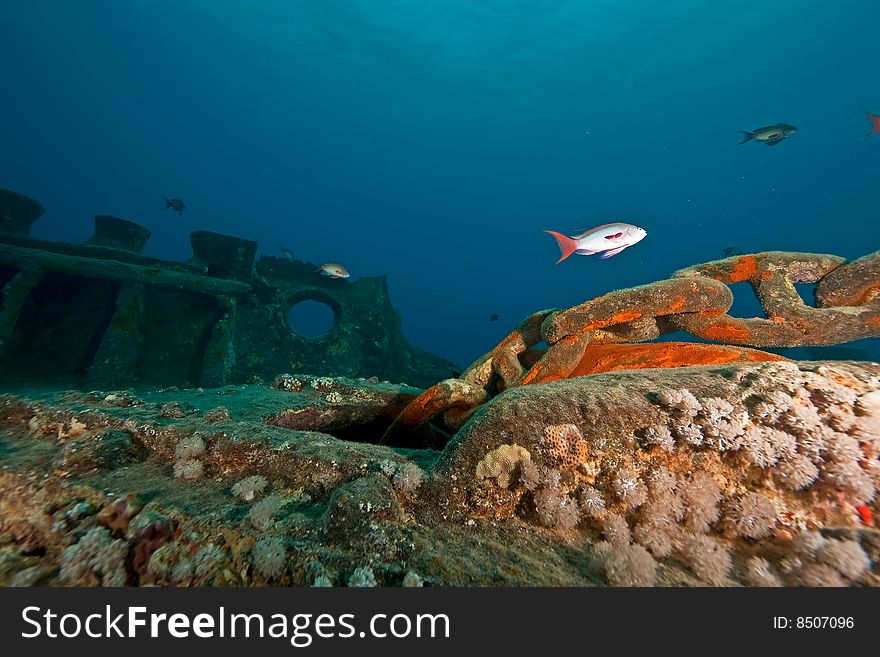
(432, 141)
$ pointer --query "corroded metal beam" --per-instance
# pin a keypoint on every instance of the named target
(26, 258)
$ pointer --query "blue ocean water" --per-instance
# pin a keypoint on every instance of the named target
(433, 141)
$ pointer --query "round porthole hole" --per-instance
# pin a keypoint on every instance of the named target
(311, 319)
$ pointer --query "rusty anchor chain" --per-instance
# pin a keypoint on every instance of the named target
(695, 300)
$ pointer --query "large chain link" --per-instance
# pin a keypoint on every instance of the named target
(696, 300)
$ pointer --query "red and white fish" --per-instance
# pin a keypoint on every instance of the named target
(333, 270)
(609, 240)
(875, 122)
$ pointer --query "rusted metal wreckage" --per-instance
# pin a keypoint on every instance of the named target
(608, 333)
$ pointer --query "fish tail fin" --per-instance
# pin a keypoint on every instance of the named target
(167, 202)
(747, 136)
(567, 245)
(875, 122)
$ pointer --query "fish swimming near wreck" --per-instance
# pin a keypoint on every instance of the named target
(494, 317)
(608, 239)
(333, 270)
(732, 251)
(176, 204)
(875, 122)
(287, 253)
(770, 135)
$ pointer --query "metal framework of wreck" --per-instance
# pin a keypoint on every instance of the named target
(103, 315)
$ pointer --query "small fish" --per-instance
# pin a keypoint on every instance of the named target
(733, 251)
(494, 317)
(175, 204)
(609, 240)
(333, 270)
(287, 253)
(770, 135)
(875, 122)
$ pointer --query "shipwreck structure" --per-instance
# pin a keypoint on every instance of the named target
(580, 450)
(103, 315)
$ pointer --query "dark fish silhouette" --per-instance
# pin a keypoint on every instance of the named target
(494, 317)
(733, 251)
(175, 204)
(287, 253)
(770, 135)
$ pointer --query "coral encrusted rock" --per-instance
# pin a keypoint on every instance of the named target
(709, 465)
(735, 474)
